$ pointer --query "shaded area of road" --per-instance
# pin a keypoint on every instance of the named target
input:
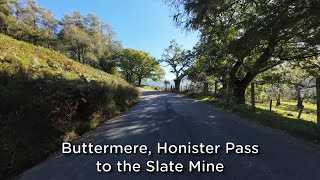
(171, 118)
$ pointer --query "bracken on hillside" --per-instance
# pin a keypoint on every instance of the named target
(46, 98)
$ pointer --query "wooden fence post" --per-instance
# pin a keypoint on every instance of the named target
(318, 99)
(253, 104)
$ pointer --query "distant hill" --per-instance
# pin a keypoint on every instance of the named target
(47, 98)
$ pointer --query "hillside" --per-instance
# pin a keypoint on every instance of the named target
(47, 98)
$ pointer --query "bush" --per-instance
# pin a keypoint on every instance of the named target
(47, 98)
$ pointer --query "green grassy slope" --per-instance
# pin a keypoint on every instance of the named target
(46, 98)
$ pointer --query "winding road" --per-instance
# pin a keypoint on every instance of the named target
(172, 118)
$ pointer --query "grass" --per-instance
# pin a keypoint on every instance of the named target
(46, 99)
(148, 87)
(289, 109)
(299, 128)
(151, 87)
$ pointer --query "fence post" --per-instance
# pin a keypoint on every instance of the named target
(318, 98)
(253, 104)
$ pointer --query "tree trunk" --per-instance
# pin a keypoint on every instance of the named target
(300, 112)
(35, 41)
(300, 100)
(215, 88)
(253, 104)
(139, 81)
(78, 52)
(239, 87)
(278, 100)
(177, 84)
(205, 88)
(270, 106)
(128, 78)
(318, 99)
(239, 93)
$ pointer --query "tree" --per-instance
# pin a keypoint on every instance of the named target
(312, 66)
(8, 21)
(148, 67)
(31, 22)
(166, 82)
(254, 36)
(179, 60)
(88, 40)
(137, 65)
(274, 80)
(49, 25)
(303, 84)
(108, 61)
(74, 37)
(197, 73)
(318, 98)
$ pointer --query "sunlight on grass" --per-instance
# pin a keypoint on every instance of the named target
(206, 99)
(288, 109)
(70, 135)
(280, 118)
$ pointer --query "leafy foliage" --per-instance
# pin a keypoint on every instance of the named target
(242, 39)
(179, 60)
(137, 65)
(85, 39)
(47, 98)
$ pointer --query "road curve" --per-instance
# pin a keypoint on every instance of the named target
(167, 117)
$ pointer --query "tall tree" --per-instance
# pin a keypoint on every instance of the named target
(179, 60)
(74, 36)
(49, 25)
(87, 39)
(137, 65)
(148, 67)
(254, 35)
(30, 22)
(8, 21)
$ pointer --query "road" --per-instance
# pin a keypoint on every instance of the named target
(167, 117)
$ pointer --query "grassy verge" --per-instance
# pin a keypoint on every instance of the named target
(151, 87)
(298, 128)
(47, 98)
(289, 109)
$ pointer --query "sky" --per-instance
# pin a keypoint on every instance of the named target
(139, 24)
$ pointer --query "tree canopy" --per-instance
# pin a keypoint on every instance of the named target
(83, 38)
(137, 65)
(179, 60)
(246, 38)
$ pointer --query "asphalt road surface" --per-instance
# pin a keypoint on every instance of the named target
(167, 117)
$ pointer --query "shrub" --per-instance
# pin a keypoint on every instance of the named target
(47, 98)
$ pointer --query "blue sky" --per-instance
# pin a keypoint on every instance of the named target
(140, 24)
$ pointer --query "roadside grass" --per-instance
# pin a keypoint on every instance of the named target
(46, 98)
(151, 87)
(148, 87)
(289, 109)
(299, 128)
